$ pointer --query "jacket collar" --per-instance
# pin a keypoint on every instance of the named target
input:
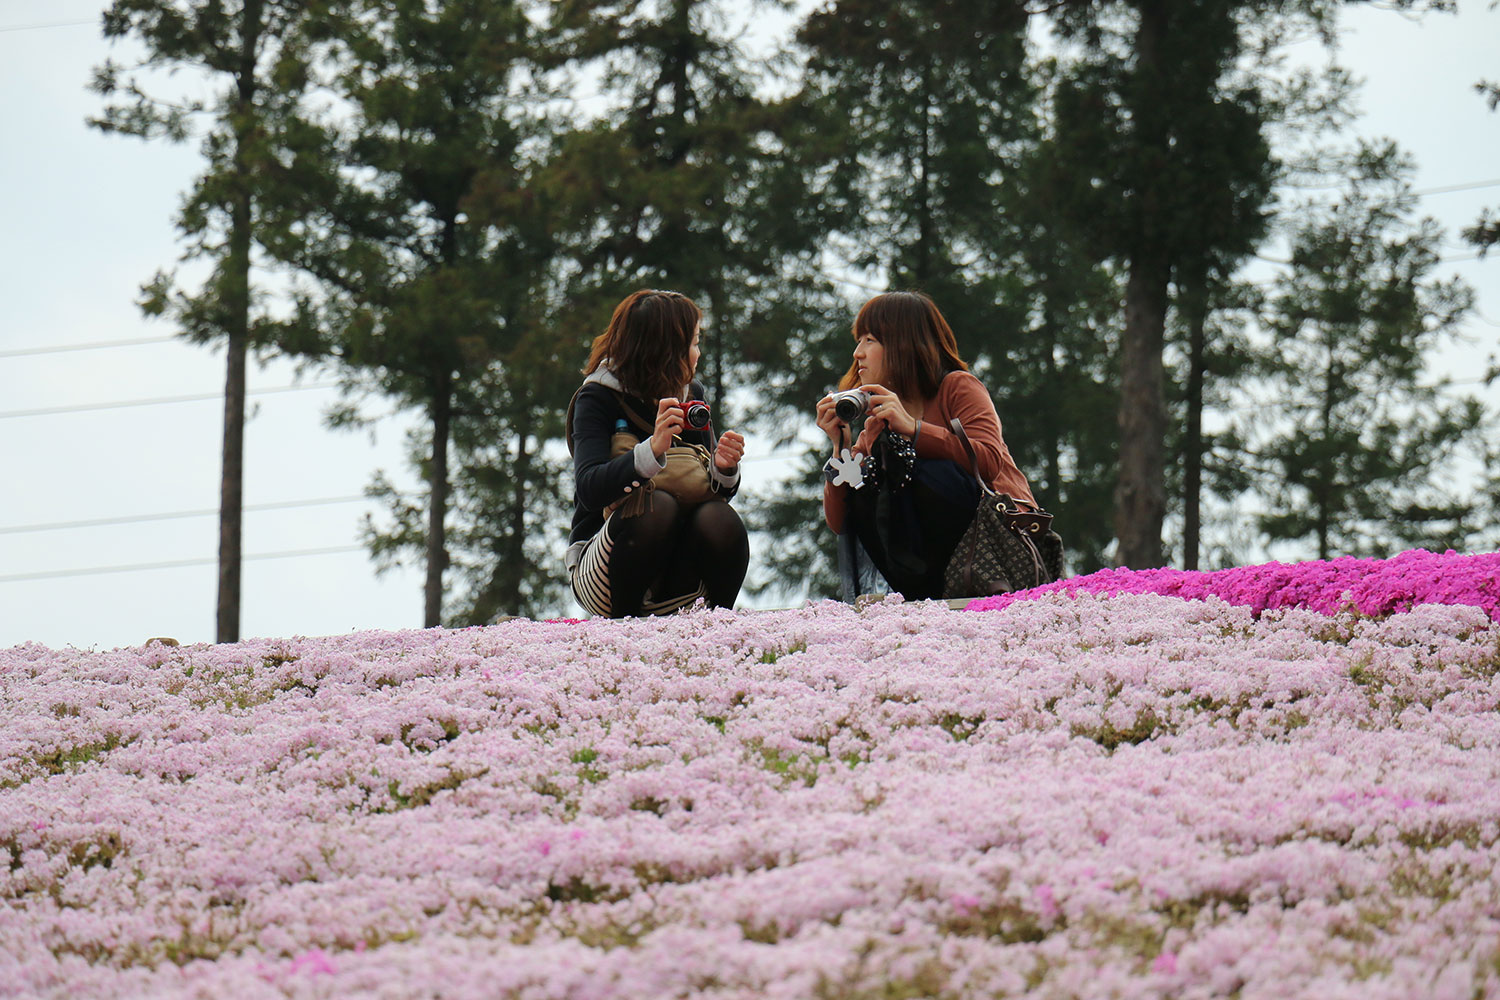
(605, 375)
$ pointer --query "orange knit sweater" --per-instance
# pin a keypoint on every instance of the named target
(963, 396)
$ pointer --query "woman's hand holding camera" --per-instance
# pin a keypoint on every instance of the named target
(829, 421)
(887, 407)
(671, 420)
(669, 423)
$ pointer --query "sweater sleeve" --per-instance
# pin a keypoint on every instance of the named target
(965, 397)
(598, 479)
(835, 505)
(836, 498)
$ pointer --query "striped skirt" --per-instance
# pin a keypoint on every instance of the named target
(591, 582)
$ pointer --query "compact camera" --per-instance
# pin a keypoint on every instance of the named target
(851, 403)
(695, 412)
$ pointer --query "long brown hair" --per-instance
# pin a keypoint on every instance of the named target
(648, 343)
(919, 344)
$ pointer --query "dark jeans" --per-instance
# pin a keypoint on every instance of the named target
(910, 533)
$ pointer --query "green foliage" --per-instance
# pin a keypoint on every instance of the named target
(1486, 232)
(923, 163)
(459, 224)
(1159, 162)
(1359, 444)
(254, 56)
(430, 254)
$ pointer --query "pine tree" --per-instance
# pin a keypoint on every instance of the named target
(1485, 233)
(249, 53)
(429, 250)
(926, 125)
(1169, 170)
(1355, 448)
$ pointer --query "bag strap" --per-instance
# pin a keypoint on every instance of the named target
(568, 422)
(630, 415)
(1033, 523)
(958, 430)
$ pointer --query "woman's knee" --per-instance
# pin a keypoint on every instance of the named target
(652, 526)
(717, 526)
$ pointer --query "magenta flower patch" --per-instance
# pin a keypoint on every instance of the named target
(1369, 586)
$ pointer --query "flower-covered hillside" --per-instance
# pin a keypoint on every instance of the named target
(1075, 796)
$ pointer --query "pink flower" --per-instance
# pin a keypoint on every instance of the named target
(1166, 963)
(1369, 586)
(313, 961)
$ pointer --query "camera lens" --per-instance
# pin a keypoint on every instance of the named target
(851, 404)
(696, 414)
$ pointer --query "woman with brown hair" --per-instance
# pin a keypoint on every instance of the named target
(905, 485)
(636, 546)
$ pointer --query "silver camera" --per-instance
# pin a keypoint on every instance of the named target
(851, 403)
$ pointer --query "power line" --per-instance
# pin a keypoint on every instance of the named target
(104, 522)
(29, 351)
(175, 564)
(172, 515)
(121, 404)
(1449, 188)
(52, 24)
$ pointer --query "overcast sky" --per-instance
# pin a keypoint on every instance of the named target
(87, 218)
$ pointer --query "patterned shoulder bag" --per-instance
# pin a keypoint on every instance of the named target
(1006, 547)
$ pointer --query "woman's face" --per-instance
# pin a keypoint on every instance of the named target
(869, 360)
(693, 353)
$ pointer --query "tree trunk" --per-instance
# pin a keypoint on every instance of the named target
(231, 491)
(1140, 493)
(441, 408)
(521, 472)
(237, 310)
(1195, 301)
(1053, 393)
(1323, 495)
(923, 265)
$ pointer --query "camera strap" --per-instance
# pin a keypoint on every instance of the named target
(648, 429)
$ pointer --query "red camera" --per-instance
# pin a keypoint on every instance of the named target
(695, 412)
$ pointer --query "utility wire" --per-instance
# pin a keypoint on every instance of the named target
(104, 522)
(175, 564)
(29, 351)
(52, 24)
(171, 515)
(1448, 188)
(120, 404)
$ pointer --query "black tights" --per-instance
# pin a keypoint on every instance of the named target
(670, 549)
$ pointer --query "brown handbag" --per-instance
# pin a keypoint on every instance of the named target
(686, 476)
(1005, 548)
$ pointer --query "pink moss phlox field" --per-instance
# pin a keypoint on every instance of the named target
(1371, 586)
(1075, 796)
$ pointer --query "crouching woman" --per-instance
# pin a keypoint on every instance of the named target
(653, 530)
(905, 487)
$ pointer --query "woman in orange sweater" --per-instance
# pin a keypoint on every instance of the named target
(905, 487)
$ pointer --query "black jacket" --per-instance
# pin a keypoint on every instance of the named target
(599, 480)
